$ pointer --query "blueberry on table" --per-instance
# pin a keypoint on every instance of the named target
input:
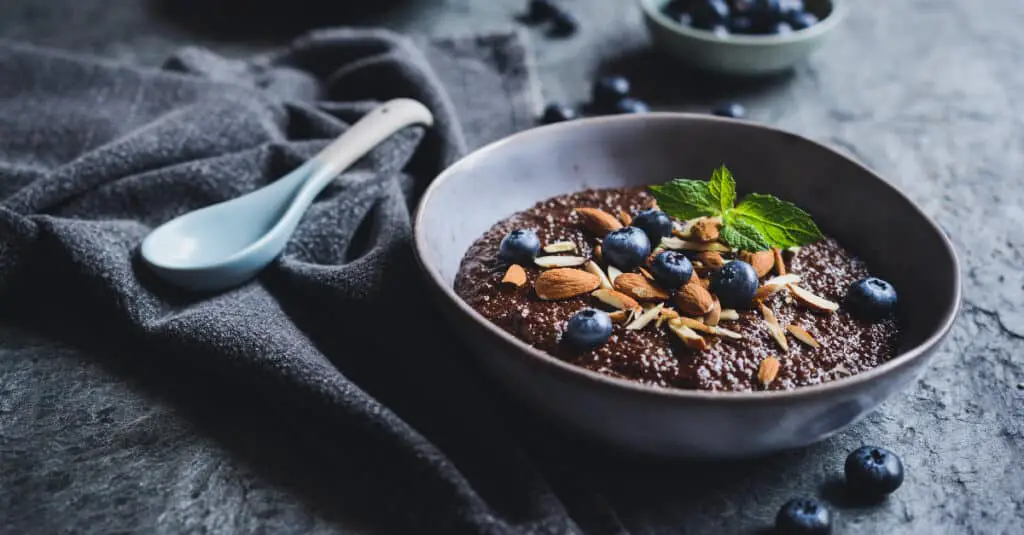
(588, 329)
(541, 10)
(556, 113)
(709, 13)
(735, 284)
(873, 471)
(519, 246)
(563, 24)
(871, 298)
(631, 105)
(655, 223)
(671, 269)
(734, 110)
(802, 20)
(626, 248)
(803, 516)
(609, 90)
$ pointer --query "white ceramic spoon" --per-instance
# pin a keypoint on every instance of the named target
(225, 244)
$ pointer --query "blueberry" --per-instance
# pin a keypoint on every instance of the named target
(631, 105)
(671, 269)
(780, 28)
(675, 9)
(563, 24)
(803, 516)
(730, 109)
(873, 471)
(709, 13)
(741, 24)
(626, 248)
(789, 7)
(802, 20)
(655, 223)
(608, 91)
(871, 298)
(541, 10)
(769, 7)
(743, 7)
(520, 245)
(588, 329)
(735, 284)
(556, 113)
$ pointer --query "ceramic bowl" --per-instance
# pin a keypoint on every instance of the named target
(743, 55)
(849, 202)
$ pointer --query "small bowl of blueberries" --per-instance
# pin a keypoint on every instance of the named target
(742, 37)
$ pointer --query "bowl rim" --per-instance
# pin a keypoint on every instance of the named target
(901, 360)
(652, 12)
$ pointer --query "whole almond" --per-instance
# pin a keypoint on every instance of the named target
(711, 259)
(598, 221)
(762, 261)
(715, 314)
(693, 299)
(768, 370)
(639, 288)
(625, 217)
(705, 230)
(563, 283)
(516, 276)
(780, 264)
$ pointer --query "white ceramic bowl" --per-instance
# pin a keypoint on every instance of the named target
(741, 55)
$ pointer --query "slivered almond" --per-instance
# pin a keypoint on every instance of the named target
(814, 302)
(768, 370)
(761, 261)
(801, 334)
(705, 230)
(711, 259)
(647, 274)
(693, 299)
(615, 299)
(775, 285)
(595, 270)
(729, 314)
(684, 245)
(564, 283)
(639, 288)
(715, 315)
(598, 221)
(773, 327)
(560, 247)
(626, 219)
(642, 320)
(702, 327)
(559, 261)
(613, 273)
(688, 336)
(666, 314)
(621, 316)
(780, 264)
(516, 276)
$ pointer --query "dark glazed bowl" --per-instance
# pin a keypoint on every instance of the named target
(869, 216)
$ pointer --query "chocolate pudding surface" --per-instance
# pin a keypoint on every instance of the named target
(655, 356)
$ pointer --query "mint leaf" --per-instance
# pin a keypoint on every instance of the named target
(723, 188)
(780, 222)
(740, 235)
(686, 199)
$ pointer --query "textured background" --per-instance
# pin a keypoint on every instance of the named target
(924, 91)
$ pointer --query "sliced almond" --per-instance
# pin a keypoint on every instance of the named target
(761, 261)
(715, 315)
(639, 288)
(595, 270)
(598, 221)
(814, 302)
(780, 264)
(621, 316)
(688, 336)
(681, 233)
(642, 320)
(775, 285)
(729, 314)
(516, 276)
(774, 328)
(564, 283)
(693, 299)
(801, 334)
(598, 255)
(559, 261)
(615, 299)
(768, 370)
(702, 327)
(711, 259)
(560, 247)
(647, 274)
(666, 314)
(613, 273)
(624, 216)
(705, 230)
(685, 245)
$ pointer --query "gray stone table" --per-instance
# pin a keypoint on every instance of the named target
(927, 92)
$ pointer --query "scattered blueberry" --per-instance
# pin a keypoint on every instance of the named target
(803, 516)
(655, 223)
(588, 329)
(671, 269)
(802, 20)
(709, 13)
(730, 109)
(734, 284)
(780, 28)
(873, 471)
(563, 24)
(520, 245)
(556, 113)
(631, 105)
(626, 248)
(609, 90)
(541, 10)
(871, 298)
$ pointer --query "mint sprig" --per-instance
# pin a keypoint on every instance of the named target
(758, 223)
